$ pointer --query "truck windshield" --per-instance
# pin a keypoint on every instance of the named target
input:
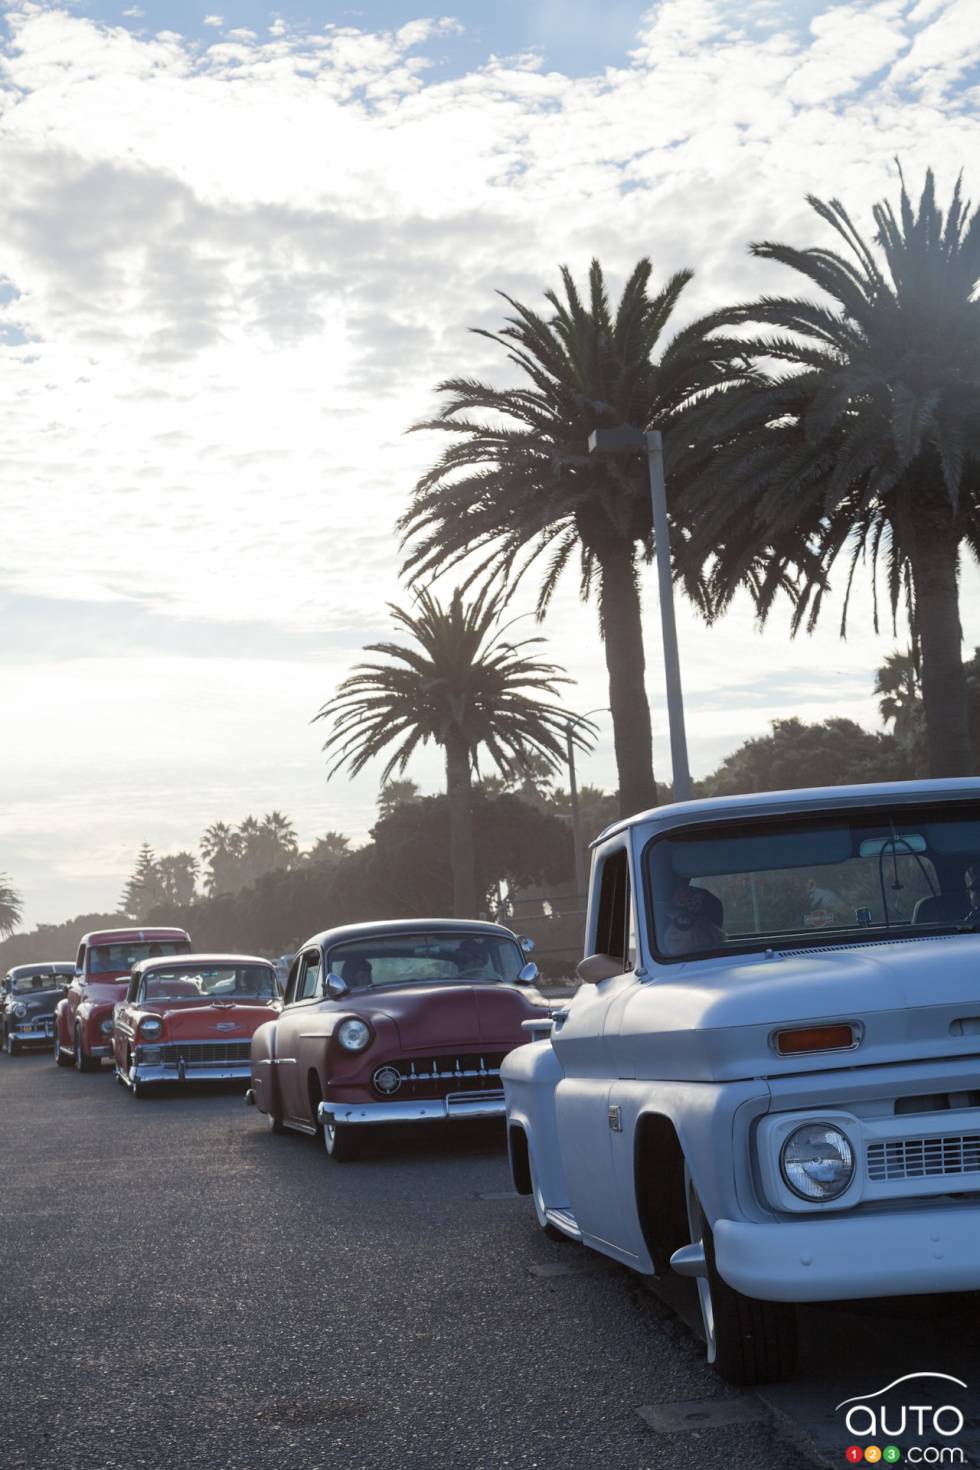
(115, 959)
(796, 881)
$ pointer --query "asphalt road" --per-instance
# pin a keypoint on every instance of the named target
(181, 1288)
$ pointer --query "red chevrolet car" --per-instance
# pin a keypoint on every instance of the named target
(83, 1020)
(396, 1022)
(190, 1019)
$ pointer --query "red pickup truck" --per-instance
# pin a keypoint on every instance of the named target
(83, 1019)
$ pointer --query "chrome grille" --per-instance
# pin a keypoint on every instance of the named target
(205, 1053)
(924, 1158)
(456, 1072)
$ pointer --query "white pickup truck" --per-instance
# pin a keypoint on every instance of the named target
(769, 1080)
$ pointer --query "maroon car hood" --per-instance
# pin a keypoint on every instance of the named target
(448, 1015)
(212, 1022)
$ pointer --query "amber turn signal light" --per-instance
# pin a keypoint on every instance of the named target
(814, 1038)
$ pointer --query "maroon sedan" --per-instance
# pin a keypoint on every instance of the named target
(397, 1022)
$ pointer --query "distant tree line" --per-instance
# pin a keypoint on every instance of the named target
(522, 838)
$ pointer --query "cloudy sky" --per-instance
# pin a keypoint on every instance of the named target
(237, 250)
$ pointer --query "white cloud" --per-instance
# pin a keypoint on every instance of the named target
(240, 268)
(213, 20)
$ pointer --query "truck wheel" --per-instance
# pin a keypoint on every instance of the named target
(274, 1125)
(748, 1341)
(81, 1061)
(63, 1058)
(341, 1142)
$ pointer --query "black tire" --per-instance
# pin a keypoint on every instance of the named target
(274, 1125)
(63, 1058)
(748, 1341)
(341, 1142)
(81, 1062)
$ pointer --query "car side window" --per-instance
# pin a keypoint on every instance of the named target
(292, 979)
(614, 936)
(309, 976)
(80, 962)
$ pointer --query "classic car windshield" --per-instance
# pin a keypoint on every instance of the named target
(216, 982)
(109, 959)
(48, 981)
(795, 881)
(447, 957)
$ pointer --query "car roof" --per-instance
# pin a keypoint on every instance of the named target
(408, 926)
(172, 961)
(774, 803)
(55, 967)
(121, 936)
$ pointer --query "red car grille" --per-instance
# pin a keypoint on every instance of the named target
(205, 1053)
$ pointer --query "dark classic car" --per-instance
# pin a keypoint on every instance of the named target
(29, 996)
(83, 1020)
(396, 1022)
(190, 1018)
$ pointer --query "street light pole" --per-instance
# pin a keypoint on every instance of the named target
(627, 440)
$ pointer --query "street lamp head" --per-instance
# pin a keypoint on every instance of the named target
(623, 440)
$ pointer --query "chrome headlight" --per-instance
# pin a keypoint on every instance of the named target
(105, 1026)
(353, 1034)
(817, 1162)
(151, 1027)
(19, 1008)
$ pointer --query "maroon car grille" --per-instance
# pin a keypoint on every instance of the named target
(435, 1076)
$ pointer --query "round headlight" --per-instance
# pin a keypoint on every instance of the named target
(151, 1027)
(105, 1026)
(353, 1034)
(19, 1008)
(817, 1161)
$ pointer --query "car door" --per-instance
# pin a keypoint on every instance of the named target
(303, 995)
(590, 1136)
(76, 991)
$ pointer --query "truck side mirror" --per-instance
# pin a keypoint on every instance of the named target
(528, 975)
(334, 988)
(598, 967)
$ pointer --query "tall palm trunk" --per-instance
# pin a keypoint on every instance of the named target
(462, 856)
(622, 632)
(944, 694)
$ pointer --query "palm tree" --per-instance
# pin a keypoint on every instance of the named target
(10, 907)
(869, 445)
(897, 685)
(221, 849)
(177, 875)
(517, 482)
(462, 685)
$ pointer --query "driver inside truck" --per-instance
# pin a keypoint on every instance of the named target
(694, 919)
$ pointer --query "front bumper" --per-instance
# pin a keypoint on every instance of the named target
(148, 1072)
(36, 1031)
(456, 1105)
(908, 1253)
